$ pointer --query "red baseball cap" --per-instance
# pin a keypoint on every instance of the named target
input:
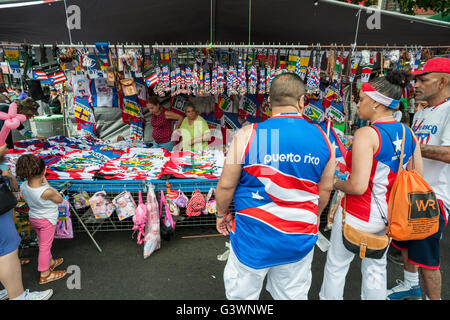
(439, 64)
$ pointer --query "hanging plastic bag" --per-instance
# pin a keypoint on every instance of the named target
(63, 209)
(334, 205)
(181, 200)
(167, 224)
(210, 203)
(171, 198)
(64, 229)
(81, 200)
(152, 239)
(140, 219)
(100, 205)
(125, 205)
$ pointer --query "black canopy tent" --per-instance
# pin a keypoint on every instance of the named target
(217, 21)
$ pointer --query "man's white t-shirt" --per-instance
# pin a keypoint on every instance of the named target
(432, 127)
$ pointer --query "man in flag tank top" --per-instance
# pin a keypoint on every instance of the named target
(373, 162)
(432, 128)
(280, 174)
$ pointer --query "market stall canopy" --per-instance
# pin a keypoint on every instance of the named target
(219, 21)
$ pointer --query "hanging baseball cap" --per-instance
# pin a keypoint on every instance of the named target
(439, 64)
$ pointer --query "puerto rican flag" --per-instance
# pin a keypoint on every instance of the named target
(57, 78)
(271, 200)
(152, 80)
(39, 75)
(278, 211)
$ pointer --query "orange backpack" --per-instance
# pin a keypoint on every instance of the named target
(413, 209)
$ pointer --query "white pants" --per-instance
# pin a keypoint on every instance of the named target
(373, 271)
(284, 282)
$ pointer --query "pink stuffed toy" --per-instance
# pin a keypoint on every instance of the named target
(11, 121)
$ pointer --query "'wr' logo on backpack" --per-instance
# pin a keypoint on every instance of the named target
(423, 205)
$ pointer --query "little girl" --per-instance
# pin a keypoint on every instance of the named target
(43, 202)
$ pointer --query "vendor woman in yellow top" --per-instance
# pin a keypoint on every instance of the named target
(194, 131)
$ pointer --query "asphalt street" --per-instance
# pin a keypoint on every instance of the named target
(183, 269)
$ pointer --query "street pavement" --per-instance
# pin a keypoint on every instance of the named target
(183, 269)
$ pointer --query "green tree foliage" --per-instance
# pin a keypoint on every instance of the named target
(408, 6)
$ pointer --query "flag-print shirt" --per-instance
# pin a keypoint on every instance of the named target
(372, 206)
(277, 196)
(432, 127)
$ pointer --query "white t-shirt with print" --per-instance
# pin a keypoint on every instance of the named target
(432, 127)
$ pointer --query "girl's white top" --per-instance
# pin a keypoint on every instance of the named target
(39, 208)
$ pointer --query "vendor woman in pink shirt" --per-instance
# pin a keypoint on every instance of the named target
(161, 122)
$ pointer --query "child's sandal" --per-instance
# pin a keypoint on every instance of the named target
(53, 276)
(58, 262)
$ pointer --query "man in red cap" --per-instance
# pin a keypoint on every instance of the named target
(432, 128)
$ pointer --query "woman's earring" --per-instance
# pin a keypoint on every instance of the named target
(374, 109)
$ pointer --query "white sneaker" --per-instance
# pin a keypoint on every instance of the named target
(3, 294)
(35, 295)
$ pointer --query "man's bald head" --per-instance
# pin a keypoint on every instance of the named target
(286, 89)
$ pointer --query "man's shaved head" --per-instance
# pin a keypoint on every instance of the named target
(286, 89)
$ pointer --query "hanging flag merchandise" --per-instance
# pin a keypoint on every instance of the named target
(152, 80)
(137, 130)
(223, 104)
(39, 75)
(367, 62)
(57, 78)
(354, 66)
(131, 107)
(247, 106)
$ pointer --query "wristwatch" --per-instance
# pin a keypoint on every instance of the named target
(218, 216)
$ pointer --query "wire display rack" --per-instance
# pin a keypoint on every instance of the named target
(83, 220)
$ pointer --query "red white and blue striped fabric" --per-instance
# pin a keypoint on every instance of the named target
(152, 80)
(277, 197)
(372, 206)
(57, 78)
(39, 75)
(379, 97)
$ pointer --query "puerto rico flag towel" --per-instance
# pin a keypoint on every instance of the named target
(152, 80)
(57, 78)
(39, 76)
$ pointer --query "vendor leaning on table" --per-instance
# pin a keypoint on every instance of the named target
(27, 107)
(194, 131)
(162, 124)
